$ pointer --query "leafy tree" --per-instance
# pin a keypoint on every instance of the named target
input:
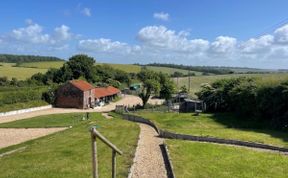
(167, 87)
(183, 89)
(151, 84)
(80, 65)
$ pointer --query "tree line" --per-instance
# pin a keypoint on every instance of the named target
(265, 104)
(203, 69)
(11, 58)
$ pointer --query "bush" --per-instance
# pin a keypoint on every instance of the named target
(242, 96)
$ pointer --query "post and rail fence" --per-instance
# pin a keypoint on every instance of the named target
(94, 135)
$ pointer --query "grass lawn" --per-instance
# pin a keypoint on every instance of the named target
(196, 81)
(204, 160)
(24, 105)
(68, 153)
(42, 64)
(21, 73)
(217, 125)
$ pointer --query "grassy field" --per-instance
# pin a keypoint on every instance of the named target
(68, 153)
(21, 73)
(204, 160)
(196, 81)
(217, 125)
(43, 64)
(170, 71)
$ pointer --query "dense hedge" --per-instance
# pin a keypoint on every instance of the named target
(244, 97)
(21, 96)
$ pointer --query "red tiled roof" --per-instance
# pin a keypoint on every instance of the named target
(102, 92)
(113, 90)
(82, 85)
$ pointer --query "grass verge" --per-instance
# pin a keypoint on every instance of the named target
(217, 125)
(68, 153)
(204, 160)
(24, 105)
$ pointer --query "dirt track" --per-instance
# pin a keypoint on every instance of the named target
(14, 136)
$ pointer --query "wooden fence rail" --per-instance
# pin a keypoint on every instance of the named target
(94, 135)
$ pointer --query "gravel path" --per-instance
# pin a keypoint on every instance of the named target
(11, 136)
(148, 161)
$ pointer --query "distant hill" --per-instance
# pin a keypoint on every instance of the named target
(218, 70)
(11, 58)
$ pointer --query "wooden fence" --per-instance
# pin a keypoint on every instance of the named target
(94, 135)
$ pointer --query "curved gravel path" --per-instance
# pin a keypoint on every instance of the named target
(148, 161)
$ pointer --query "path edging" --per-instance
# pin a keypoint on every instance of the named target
(172, 135)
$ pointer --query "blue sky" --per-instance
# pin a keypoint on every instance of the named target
(199, 32)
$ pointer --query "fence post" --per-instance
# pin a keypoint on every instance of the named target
(113, 164)
(94, 155)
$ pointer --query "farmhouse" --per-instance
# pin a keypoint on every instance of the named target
(76, 94)
(81, 94)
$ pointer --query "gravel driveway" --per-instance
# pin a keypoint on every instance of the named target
(14, 136)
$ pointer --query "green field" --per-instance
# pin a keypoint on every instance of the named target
(196, 81)
(22, 105)
(21, 73)
(68, 153)
(42, 65)
(205, 160)
(217, 125)
(170, 71)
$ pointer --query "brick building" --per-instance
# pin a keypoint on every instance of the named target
(76, 94)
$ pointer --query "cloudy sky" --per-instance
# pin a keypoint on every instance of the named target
(198, 32)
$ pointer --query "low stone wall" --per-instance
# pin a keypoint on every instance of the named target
(167, 160)
(140, 120)
(171, 135)
(9, 113)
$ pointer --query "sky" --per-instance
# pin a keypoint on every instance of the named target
(193, 32)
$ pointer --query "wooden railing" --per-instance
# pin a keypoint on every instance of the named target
(94, 135)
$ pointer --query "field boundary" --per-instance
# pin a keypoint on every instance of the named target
(172, 135)
(10, 113)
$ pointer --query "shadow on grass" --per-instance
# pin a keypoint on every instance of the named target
(248, 124)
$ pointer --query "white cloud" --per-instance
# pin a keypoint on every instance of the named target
(33, 33)
(161, 16)
(161, 37)
(62, 33)
(255, 45)
(86, 11)
(224, 44)
(106, 45)
(281, 34)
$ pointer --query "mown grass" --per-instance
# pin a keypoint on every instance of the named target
(21, 73)
(42, 65)
(217, 125)
(196, 81)
(204, 160)
(68, 153)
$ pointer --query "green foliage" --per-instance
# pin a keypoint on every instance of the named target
(183, 89)
(26, 58)
(167, 87)
(151, 85)
(244, 97)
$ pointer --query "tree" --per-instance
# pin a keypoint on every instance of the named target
(80, 65)
(183, 89)
(167, 87)
(151, 84)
